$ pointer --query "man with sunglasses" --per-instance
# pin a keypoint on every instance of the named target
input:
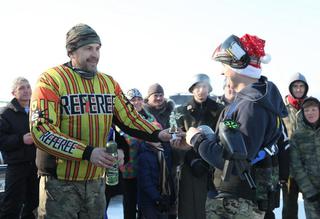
(255, 113)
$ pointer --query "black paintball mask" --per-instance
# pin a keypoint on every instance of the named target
(235, 152)
(232, 53)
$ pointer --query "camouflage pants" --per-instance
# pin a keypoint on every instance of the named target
(71, 199)
(232, 208)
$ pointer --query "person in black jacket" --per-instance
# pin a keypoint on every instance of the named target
(21, 185)
(194, 172)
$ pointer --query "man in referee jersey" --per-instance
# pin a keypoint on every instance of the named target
(72, 108)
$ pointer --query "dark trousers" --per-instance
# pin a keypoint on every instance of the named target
(150, 212)
(129, 187)
(290, 200)
(112, 191)
(269, 215)
(21, 195)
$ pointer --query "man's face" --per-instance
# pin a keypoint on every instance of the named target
(311, 113)
(86, 57)
(22, 91)
(298, 89)
(156, 100)
(231, 77)
(137, 103)
(200, 92)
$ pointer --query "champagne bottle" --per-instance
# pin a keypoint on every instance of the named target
(112, 174)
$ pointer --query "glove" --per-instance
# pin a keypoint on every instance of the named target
(314, 198)
(193, 134)
(208, 132)
(163, 204)
(190, 134)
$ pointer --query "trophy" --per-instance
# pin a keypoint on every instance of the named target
(173, 129)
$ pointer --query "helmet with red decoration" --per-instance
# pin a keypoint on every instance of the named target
(243, 55)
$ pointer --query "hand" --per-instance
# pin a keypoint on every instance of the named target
(27, 139)
(190, 133)
(178, 139)
(99, 157)
(120, 157)
(165, 136)
(180, 144)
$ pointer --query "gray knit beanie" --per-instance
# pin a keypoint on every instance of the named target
(155, 88)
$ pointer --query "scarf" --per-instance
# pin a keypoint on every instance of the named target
(295, 102)
(84, 74)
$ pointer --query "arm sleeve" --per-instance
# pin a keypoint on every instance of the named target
(283, 158)
(130, 121)
(9, 141)
(298, 171)
(253, 126)
(209, 150)
(153, 137)
(45, 120)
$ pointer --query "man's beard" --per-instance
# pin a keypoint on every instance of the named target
(86, 71)
(89, 67)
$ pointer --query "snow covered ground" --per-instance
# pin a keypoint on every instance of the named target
(301, 214)
(115, 209)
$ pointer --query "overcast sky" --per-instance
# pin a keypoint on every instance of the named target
(167, 41)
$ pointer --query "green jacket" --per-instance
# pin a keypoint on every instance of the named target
(305, 159)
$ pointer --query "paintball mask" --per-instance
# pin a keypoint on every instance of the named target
(235, 152)
(232, 53)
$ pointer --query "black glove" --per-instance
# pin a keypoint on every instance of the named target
(314, 198)
(163, 204)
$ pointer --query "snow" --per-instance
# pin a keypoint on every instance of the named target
(115, 210)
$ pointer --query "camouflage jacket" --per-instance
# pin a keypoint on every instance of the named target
(305, 159)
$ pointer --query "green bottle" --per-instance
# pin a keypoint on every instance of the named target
(112, 174)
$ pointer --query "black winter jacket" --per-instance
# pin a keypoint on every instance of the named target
(195, 114)
(14, 123)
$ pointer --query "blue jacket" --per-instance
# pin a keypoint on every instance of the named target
(149, 173)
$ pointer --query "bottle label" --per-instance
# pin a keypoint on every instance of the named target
(112, 173)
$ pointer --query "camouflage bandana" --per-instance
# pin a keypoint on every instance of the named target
(81, 35)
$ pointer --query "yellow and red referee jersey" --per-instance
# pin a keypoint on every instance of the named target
(70, 113)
